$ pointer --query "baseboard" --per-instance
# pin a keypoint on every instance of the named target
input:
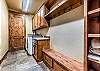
(4, 57)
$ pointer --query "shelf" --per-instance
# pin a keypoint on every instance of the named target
(94, 13)
(63, 7)
(93, 35)
(94, 58)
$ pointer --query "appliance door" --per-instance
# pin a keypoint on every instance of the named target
(29, 49)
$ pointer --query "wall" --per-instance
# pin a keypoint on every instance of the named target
(67, 34)
(28, 21)
(3, 28)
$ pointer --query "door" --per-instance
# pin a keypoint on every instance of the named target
(16, 32)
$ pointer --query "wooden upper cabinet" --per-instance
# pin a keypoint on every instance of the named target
(33, 26)
(36, 21)
(39, 20)
(43, 20)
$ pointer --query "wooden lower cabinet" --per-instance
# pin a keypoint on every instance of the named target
(52, 64)
(47, 60)
(58, 67)
(38, 47)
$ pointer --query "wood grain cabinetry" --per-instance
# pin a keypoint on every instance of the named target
(47, 60)
(39, 20)
(92, 32)
(58, 67)
(38, 47)
(58, 62)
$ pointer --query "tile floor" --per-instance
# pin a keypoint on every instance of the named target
(20, 61)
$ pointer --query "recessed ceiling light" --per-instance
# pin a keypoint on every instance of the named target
(25, 5)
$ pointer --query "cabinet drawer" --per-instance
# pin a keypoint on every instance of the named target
(58, 67)
(48, 60)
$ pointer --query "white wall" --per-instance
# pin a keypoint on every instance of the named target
(28, 21)
(67, 34)
(3, 28)
(69, 39)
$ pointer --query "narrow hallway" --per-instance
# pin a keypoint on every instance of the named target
(20, 61)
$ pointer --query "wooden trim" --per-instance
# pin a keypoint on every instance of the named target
(4, 57)
(46, 62)
(85, 37)
(42, 22)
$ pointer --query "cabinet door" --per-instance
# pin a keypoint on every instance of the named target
(58, 67)
(47, 43)
(48, 60)
(35, 51)
(39, 18)
(43, 21)
(36, 21)
(33, 24)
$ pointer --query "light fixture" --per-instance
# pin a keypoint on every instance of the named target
(25, 5)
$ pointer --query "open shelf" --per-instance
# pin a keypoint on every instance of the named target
(62, 7)
(93, 35)
(94, 58)
(94, 11)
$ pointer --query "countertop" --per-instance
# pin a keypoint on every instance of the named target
(41, 38)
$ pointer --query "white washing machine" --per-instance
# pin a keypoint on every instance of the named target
(29, 44)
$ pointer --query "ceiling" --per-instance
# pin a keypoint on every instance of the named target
(25, 6)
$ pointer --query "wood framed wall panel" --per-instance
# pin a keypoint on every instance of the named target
(38, 20)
